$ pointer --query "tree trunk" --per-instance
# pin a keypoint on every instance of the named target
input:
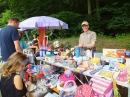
(97, 7)
(89, 7)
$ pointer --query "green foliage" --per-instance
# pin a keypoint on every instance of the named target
(72, 19)
(100, 34)
(121, 18)
(25, 8)
(3, 6)
(112, 17)
(115, 16)
(5, 16)
(30, 34)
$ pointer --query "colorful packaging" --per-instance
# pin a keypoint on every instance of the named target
(102, 87)
(116, 53)
(105, 73)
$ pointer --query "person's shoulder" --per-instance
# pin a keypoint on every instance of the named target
(18, 82)
(8, 26)
(3, 28)
(92, 32)
(17, 77)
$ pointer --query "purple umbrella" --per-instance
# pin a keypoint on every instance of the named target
(43, 21)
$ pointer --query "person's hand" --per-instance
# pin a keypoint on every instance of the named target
(81, 45)
(76, 46)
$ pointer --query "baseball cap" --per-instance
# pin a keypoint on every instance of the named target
(84, 23)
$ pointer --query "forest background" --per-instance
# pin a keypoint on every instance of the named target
(110, 19)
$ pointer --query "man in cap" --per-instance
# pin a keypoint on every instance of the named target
(88, 37)
(87, 40)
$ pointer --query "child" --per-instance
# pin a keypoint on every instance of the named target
(11, 83)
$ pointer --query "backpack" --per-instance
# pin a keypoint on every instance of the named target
(84, 90)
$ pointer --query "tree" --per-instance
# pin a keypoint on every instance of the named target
(115, 16)
(89, 7)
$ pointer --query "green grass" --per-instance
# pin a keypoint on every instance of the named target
(118, 42)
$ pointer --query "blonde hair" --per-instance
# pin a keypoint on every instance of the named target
(13, 62)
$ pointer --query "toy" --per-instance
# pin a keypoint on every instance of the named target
(111, 64)
(95, 71)
(115, 53)
(104, 58)
(105, 73)
(122, 76)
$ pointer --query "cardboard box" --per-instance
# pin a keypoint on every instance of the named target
(115, 53)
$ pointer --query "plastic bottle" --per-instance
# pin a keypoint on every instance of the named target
(77, 54)
(41, 51)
